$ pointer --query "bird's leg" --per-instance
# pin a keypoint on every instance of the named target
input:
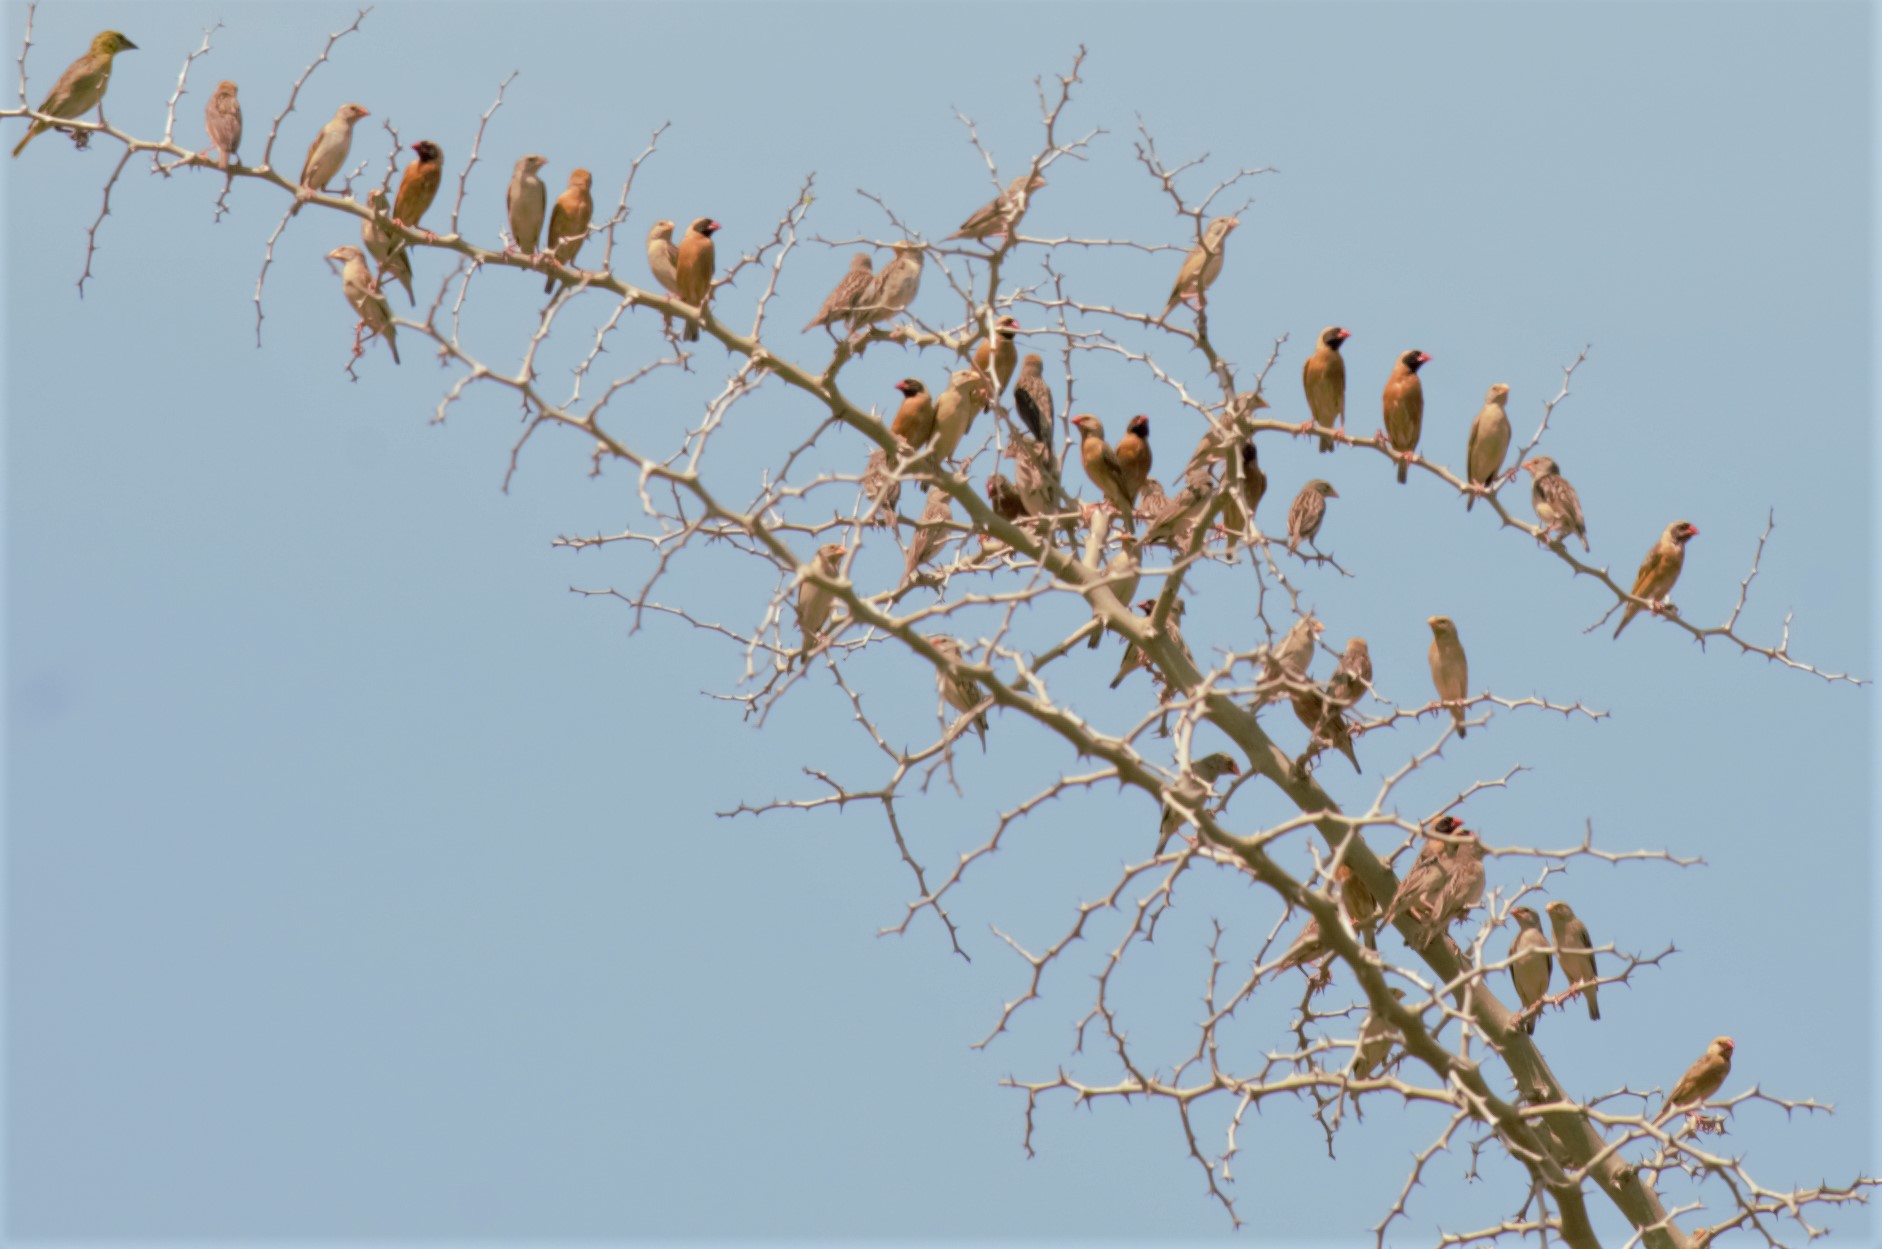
(1379, 438)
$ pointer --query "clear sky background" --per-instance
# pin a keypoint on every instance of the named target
(362, 881)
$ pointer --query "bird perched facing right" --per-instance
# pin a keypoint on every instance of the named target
(1557, 505)
(1701, 1080)
(1576, 950)
(327, 153)
(840, 303)
(222, 120)
(693, 269)
(954, 412)
(568, 222)
(1450, 670)
(419, 186)
(998, 364)
(1103, 469)
(1530, 964)
(815, 601)
(1489, 441)
(1323, 377)
(1404, 404)
(364, 297)
(991, 218)
(1376, 1040)
(526, 202)
(1659, 571)
(914, 418)
(1308, 513)
(81, 87)
(1032, 398)
(930, 533)
(957, 690)
(1424, 880)
(893, 290)
(378, 243)
(1201, 267)
(1208, 770)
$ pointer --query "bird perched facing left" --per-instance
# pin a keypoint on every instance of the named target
(1450, 670)
(327, 153)
(81, 88)
(954, 412)
(1194, 791)
(1576, 950)
(1103, 469)
(1701, 1080)
(1032, 398)
(1530, 964)
(1323, 377)
(815, 601)
(1133, 456)
(957, 690)
(1404, 407)
(1201, 267)
(568, 223)
(840, 303)
(694, 268)
(991, 218)
(998, 363)
(377, 241)
(527, 203)
(222, 121)
(1489, 441)
(419, 186)
(914, 418)
(1659, 571)
(663, 257)
(1308, 513)
(364, 297)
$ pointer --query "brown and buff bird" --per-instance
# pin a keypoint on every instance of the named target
(1701, 1080)
(1361, 907)
(365, 298)
(378, 242)
(1308, 947)
(222, 121)
(1173, 519)
(693, 269)
(1172, 629)
(893, 290)
(840, 304)
(1308, 513)
(1323, 377)
(1659, 571)
(957, 690)
(1576, 950)
(1404, 404)
(526, 203)
(327, 154)
(991, 218)
(1151, 500)
(1239, 508)
(1424, 880)
(1121, 575)
(81, 88)
(1376, 1040)
(1450, 669)
(815, 601)
(419, 186)
(1292, 657)
(1194, 791)
(882, 488)
(1133, 456)
(1321, 717)
(568, 223)
(1353, 677)
(663, 257)
(914, 417)
(1530, 963)
(1201, 267)
(930, 532)
(1103, 469)
(999, 363)
(1489, 442)
(1461, 889)
(1032, 398)
(1005, 500)
(1557, 505)
(954, 412)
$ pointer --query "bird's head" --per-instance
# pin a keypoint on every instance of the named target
(532, 163)
(110, 43)
(911, 387)
(350, 113)
(1441, 626)
(1682, 531)
(1541, 466)
(1323, 488)
(1498, 394)
(1414, 360)
(1333, 336)
(1559, 911)
(225, 90)
(706, 226)
(1139, 425)
(427, 151)
(1525, 917)
(1008, 327)
(1089, 425)
(662, 229)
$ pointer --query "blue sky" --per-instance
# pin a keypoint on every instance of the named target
(363, 881)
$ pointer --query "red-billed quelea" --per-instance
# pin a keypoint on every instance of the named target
(1557, 505)
(1201, 267)
(1005, 500)
(1701, 1080)
(1461, 889)
(568, 222)
(993, 217)
(1422, 883)
(1325, 723)
(327, 153)
(893, 290)
(1530, 964)
(957, 691)
(840, 304)
(1308, 513)
(999, 363)
(1103, 469)
(815, 601)
(364, 297)
(419, 186)
(526, 203)
(1323, 377)
(1133, 456)
(694, 267)
(222, 120)
(1172, 629)
(930, 532)
(1489, 442)
(1194, 791)
(1032, 398)
(954, 412)
(914, 416)
(1450, 669)
(377, 241)
(1404, 407)
(1576, 950)
(1659, 571)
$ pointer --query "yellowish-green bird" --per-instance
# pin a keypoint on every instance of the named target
(81, 88)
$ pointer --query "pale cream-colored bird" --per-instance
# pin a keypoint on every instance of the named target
(663, 257)
(526, 203)
(365, 298)
(1450, 670)
(893, 290)
(1701, 1080)
(1308, 513)
(1576, 950)
(1530, 963)
(1194, 791)
(81, 88)
(1323, 377)
(991, 219)
(840, 304)
(1404, 406)
(815, 601)
(964, 399)
(1489, 441)
(1659, 571)
(327, 154)
(1103, 469)
(379, 244)
(958, 690)
(1557, 505)
(1292, 657)
(1201, 267)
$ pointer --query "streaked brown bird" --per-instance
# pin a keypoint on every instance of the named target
(693, 269)
(1194, 791)
(991, 218)
(1450, 670)
(957, 690)
(1133, 456)
(419, 186)
(1032, 398)
(815, 601)
(882, 488)
(1103, 469)
(1035, 475)
(1404, 402)
(999, 363)
(568, 222)
(893, 290)
(930, 532)
(840, 303)
(1005, 500)
(1308, 513)
(1701, 1080)
(365, 298)
(81, 87)
(1659, 571)
(1201, 267)
(1576, 950)
(379, 244)
(1318, 713)
(526, 202)
(1424, 880)
(222, 120)
(914, 418)
(1557, 505)
(1323, 377)
(1489, 441)
(1530, 963)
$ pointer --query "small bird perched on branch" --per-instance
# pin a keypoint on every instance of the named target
(1103, 469)
(419, 187)
(526, 203)
(1195, 791)
(1659, 571)
(1530, 963)
(1450, 669)
(1489, 441)
(222, 121)
(1323, 377)
(991, 218)
(930, 532)
(1557, 505)
(327, 154)
(1404, 404)
(914, 416)
(1576, 950)
(1201, 267)
(378, 243)
(568, 222)
(1133, 456)
(893, 290)
(1701, 1080)
(815, 601)
(954, 412)
(1308, 513)
(1032, 398)
(958, 691)
(81, 87)
(365, 298)
(840, 303)
(999, 363)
